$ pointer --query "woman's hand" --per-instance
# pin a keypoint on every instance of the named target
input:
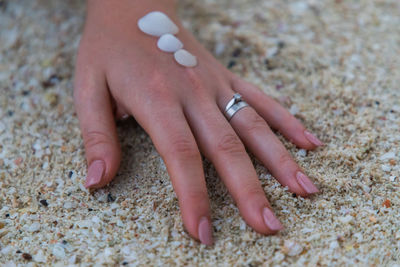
(120, 70)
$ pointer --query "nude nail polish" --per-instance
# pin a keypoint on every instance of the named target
(313, 139)
(306, 183)
(95, 173)
(205, 231)
(271, 221)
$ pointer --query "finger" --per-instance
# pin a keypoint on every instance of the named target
(222, 146)
(277, 116)
(96, 119)
(173, 139)
(263, 143)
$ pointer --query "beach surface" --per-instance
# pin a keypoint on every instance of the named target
(334, 64)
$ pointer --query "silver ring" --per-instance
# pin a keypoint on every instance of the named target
(234, 105)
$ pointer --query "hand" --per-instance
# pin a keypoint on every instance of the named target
(120, 70)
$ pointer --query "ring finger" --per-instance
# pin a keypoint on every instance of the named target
(264, 144)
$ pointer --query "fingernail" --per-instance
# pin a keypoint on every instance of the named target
(313, 139)
(271, 221)
(306, 183)
(205, 232)
(95, 173)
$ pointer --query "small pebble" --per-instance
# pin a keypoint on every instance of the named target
(302, 152)
(386, 156)
(34, 227)
(269, 65)
(39, 257)
(169, 43)
(185, 58)
(237, 52)
(231, 64)
(27, 256)
(110, 198)
(346, 219)
(156, 24)
(334, 245)
(58, 251)
(69, 205)
(44, 202)
(281, 44)
(51, 81)
(292, 248)
(294, 110)
(386, 203)
(51, 98)
(219, 49)
(386, 168)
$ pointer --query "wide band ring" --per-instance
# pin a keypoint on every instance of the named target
(234, 105)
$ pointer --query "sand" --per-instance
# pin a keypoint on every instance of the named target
(334, 64)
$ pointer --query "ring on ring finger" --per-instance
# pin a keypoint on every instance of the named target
(234, 105)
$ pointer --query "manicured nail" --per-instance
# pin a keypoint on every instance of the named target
(306, 183)
(313, 139)
(95, 173)
(271, 221)
(205, 232)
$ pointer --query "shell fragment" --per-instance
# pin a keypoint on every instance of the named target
(184, 58)
(157, 23)
(169, 43)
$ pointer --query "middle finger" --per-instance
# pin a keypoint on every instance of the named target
(219, 143)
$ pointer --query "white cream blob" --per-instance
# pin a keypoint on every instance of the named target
(169, 43)
(157, 23)
(184, 58)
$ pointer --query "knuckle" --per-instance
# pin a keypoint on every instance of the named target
(196, 196)
(198, 84)
(195, 79)
(251, 190)
(230, 144)
(94, 139)
(183, 147)
(285, 159)
(158, 80)
(159, 94)
(159, 90)
(255, 123)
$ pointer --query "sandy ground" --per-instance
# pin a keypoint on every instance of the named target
(334, 64)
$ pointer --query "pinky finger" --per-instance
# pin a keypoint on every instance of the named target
(276, 115)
